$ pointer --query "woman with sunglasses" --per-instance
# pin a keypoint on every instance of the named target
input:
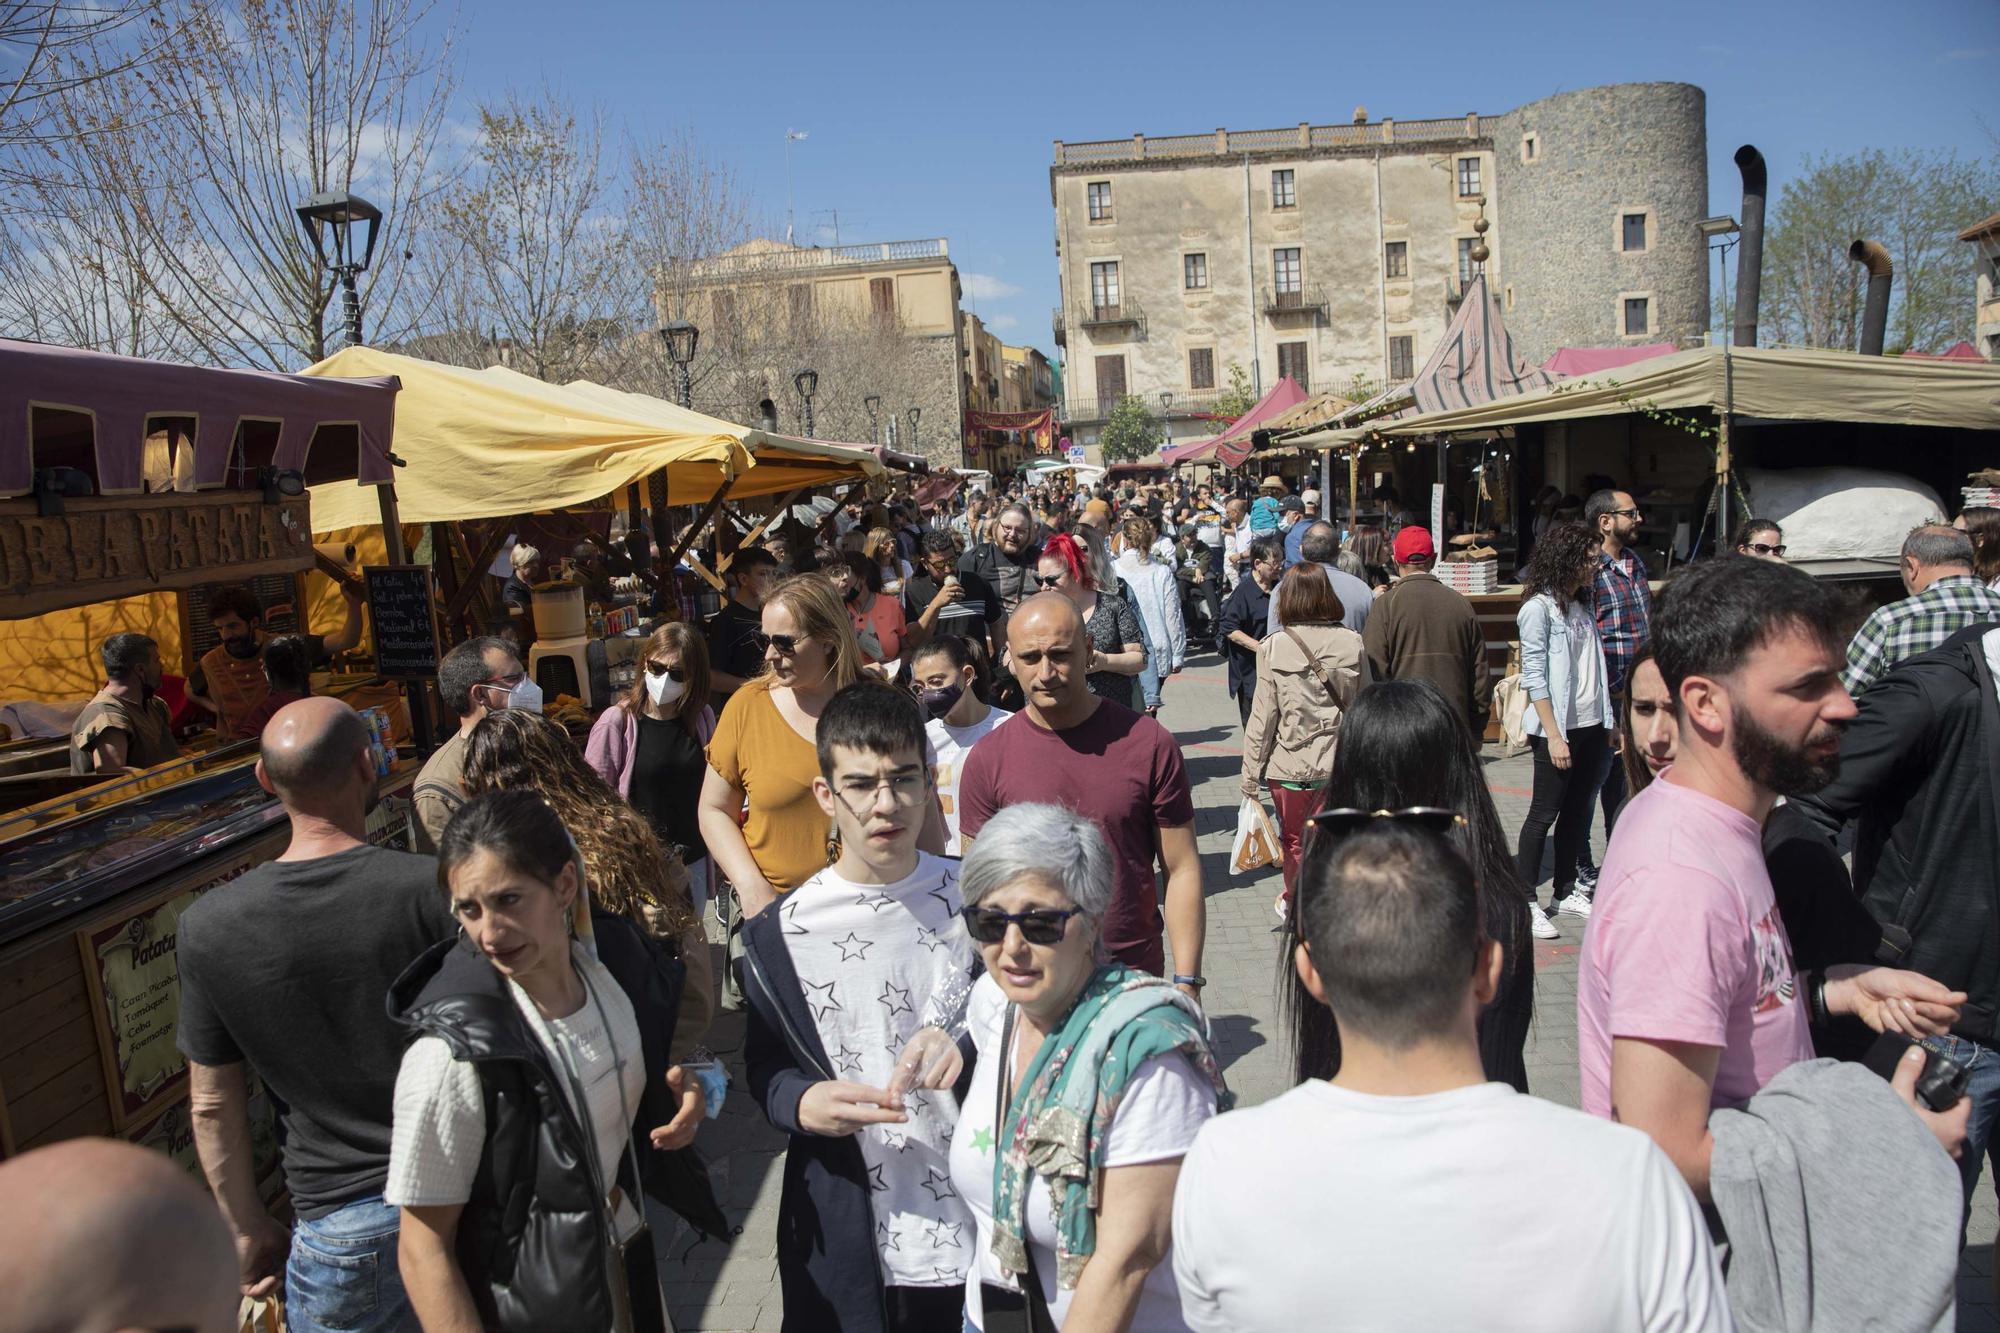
(650, 745)
(1117, 642)
(535, 1099)
(1762, 538)
(1098, 1074)
(885, 552)
(1404, 746)
(759, 818)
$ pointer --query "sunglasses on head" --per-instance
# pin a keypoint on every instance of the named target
(1346, 819)
(1763, 548)
(1048, 580)
(1042, 925)
(786, 644)
(662, 669)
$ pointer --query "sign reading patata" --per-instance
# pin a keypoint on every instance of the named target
(98, 549)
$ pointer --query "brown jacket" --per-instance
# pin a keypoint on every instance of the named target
(1294, 723)
(1422, 630)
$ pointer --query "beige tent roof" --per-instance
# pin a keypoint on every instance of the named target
(1314, 411)
(1775, 383)
(489, 443)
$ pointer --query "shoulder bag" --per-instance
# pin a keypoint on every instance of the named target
(1312, 663)
(1007, 1310)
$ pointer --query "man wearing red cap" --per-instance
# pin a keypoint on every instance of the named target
(1422, 630)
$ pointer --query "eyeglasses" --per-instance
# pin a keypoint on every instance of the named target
(905, 789)
(786, 644)
(1042, 925)
(506, 682)
(1761, 548)
(1346, 819)
(662, 669)
(1626, 513)
(1048, 580)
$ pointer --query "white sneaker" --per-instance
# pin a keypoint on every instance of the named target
(1576, 904)
(1539, 924)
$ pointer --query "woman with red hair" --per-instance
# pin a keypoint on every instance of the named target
(1117, 644)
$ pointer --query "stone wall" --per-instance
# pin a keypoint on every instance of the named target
(1599, 153)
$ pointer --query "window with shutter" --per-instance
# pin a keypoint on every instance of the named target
(1402, 357)
(1284, 189)
(1396, 259)
(1201, 369)
(1100, 201)
(1633, 232)
(1194, 272)
(882, 296)
(1110, 381)
(1292, 365)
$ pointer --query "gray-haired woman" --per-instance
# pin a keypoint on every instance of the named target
(1092, 1080)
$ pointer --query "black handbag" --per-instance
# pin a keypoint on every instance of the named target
(1005, 1309)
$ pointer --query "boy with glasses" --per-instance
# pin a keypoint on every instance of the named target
(943, 599)
(840, 977)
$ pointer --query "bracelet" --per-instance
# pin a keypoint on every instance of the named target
(1816, 994)
(1182, 979)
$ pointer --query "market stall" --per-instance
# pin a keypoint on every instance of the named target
(137, 483)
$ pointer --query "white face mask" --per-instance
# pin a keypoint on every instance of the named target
(664, 689)
(526, 696)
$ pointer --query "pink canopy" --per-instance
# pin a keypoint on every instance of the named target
(1590, 360)
(121, 394)
(1192, 451)
(1958, 351)
(1232, 446)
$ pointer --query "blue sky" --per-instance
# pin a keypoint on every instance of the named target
(938, 119)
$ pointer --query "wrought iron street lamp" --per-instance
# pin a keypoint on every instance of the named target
(681, 339)
(915, 412)
(807, 383)
(873, 402)
(329, 221)
(1166, 418)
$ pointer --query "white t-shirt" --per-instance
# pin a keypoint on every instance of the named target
(439, 1133)
(950, 745)
(1586, 667)
(868, 957)
(1165, 1104)
(1478, 1208)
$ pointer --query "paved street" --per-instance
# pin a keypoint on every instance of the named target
(736, 1288)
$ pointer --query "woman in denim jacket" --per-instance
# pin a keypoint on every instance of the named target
(1569, 719)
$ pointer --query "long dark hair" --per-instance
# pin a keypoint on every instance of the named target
(517, 826)
(1562, 551)
(1404, 744)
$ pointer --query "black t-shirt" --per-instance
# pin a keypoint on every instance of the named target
(731, 645)
(285, 969)
(967, 617)
(1012, 578)
(666, 783)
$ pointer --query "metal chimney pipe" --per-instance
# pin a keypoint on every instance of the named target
(1881, 277)
(1750, 254)
(767, 416)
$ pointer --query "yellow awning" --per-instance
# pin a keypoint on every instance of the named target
(1772, 383)
(489, 443)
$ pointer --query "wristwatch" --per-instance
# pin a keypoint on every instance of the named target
(1182, 979)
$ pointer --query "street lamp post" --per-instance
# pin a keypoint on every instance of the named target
(681, 339)
(807, 383)
(331, 217)
(873, 402)
(915, 412)
(1166, 420)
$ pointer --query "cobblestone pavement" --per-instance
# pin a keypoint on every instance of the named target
(710, 1286)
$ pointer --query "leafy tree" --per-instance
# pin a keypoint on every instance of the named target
(1129, 432)
(1912, 202)
(1238, 398)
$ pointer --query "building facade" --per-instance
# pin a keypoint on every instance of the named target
(1985, 239)
(879, 324)
(1336, 254)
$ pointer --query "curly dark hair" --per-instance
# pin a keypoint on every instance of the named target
(1563, 550)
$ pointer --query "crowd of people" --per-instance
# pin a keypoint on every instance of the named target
(915, 766)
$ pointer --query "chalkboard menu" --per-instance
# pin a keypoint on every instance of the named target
(400, 610)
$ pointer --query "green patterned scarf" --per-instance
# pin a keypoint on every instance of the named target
(1061, 1114)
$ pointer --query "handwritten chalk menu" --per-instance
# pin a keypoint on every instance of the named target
(405, 625)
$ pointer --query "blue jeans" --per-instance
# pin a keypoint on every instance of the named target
(1149, 682)
(1984, 1089)
(342, 1273)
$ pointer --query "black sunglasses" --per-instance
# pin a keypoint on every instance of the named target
(1346, 819)
(1043, 925)
(786, 644)
(661, 668)
(1762, 548)
(1048, 580)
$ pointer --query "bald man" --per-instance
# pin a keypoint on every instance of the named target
(284, 970)
(1116, 767)
(99, 1235)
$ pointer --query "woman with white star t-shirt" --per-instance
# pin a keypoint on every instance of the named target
(841, 976)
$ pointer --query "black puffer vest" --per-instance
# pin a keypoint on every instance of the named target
(532, 1239)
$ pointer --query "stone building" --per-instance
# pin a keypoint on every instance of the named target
(1985, 238)
(880, 325)
(1336, 254)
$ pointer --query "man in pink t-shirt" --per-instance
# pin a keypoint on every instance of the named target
(1686, 997)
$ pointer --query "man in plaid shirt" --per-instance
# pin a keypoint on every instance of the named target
(1624, 625)
(1944, 598)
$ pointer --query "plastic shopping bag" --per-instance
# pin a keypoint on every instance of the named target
(1256, 841)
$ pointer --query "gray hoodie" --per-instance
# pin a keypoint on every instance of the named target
(1842, 1210)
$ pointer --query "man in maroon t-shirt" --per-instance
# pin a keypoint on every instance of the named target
(1118, 768)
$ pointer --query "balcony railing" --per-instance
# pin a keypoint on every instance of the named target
(1062, 333)
(1126, 314)
(822, 256)
(1179, 408)
(1234, 143)
(1309, 301)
